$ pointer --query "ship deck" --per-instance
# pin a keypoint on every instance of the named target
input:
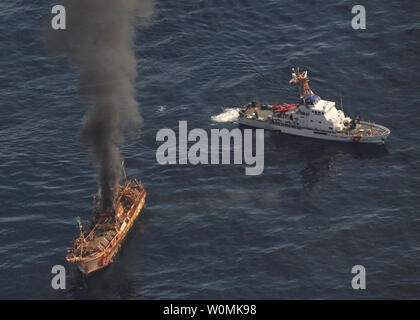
(365, 129)
(263, 113)
(102, 235)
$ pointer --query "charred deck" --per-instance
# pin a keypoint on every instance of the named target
(97, 245)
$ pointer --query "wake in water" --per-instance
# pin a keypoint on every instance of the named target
(228, 115)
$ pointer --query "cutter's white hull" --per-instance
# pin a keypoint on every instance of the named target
(313, 133)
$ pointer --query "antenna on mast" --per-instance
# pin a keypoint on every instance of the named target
(341, 99)
(125, 174)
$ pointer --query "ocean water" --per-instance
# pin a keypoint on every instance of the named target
(208, 231)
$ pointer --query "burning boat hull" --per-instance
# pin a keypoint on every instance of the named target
(96, 248)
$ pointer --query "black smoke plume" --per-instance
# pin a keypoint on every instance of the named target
(99, 42)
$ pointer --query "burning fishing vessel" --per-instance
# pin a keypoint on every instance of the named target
(98, 244)
(312, 117)
(107, 71)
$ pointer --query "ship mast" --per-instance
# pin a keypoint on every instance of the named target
(302, 79)
(125, 174)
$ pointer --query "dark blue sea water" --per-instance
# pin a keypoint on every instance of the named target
(293, 232)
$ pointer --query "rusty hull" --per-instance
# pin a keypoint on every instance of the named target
(97, 246)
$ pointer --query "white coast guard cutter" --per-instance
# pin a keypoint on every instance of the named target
(312, 117)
